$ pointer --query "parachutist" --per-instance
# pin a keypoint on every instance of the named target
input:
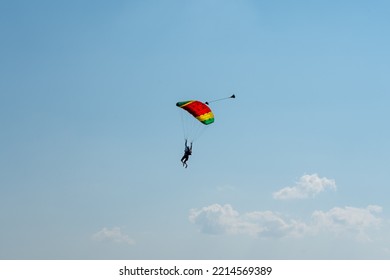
(187, 153)
(202, 113)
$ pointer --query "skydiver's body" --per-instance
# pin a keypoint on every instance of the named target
(187, 153)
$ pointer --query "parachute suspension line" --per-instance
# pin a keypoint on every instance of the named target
(216, 100)
(192, 128)
(183, 125)
(200, 130)
(197, 130)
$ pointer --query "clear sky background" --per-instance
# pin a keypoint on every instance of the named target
(296, 167)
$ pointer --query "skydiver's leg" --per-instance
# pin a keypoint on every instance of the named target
(185, 161)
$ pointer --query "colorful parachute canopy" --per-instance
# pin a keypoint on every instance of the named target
(198, 109)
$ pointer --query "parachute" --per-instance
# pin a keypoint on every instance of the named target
(199, 110)
(195, 117)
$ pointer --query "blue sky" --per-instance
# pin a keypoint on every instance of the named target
(296, 167)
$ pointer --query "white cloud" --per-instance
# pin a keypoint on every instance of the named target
(275, 225)
(351, 221)
(115, 235)
(307, 186)
(218, 219)
(348, 220)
